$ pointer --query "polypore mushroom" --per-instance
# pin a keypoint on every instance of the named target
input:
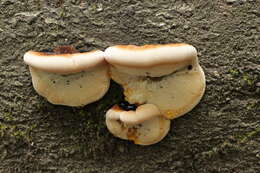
(143, 126)
(168, 76)
(67, 77)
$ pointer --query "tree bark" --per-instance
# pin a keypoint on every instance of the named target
(221, 134)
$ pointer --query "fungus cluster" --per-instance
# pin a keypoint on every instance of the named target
(160, 82)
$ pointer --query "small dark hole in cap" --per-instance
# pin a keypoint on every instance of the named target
(189, 67)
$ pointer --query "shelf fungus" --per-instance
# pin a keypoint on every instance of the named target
(168, 76)
(68, 77)
(143, 125)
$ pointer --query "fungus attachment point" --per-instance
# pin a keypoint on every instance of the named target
(168, 76)
(143, 126)
(67, 77)
(46, 51)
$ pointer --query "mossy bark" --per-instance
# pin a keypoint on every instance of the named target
(220, 135)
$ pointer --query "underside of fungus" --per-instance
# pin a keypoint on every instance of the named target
(174, 94)
(67, 77)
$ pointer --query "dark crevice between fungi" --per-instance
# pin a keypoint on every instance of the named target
(127, 106)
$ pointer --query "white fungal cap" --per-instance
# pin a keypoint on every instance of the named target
(141, 114)
(175, 93)
(151, 60)
(145, 126)
(71, 79)
(64, 63)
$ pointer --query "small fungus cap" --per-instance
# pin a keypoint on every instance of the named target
(64, 63)
(141, 114)
(145, 126)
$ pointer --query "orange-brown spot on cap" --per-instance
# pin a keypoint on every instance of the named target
(174, 113)
(132, 134)
(117, 108)
(145, 47)
(60, 53)
(65, 50)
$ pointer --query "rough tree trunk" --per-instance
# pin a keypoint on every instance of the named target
(220, 135)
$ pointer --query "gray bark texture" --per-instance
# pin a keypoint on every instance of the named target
(222, 134)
